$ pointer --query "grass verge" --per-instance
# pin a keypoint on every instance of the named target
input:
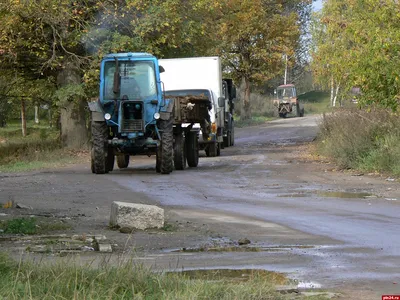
(254, 121)
(67, 280)
(39, 149)
(363, 140)
(315, 102)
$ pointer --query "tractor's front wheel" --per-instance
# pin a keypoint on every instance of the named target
(99, 151)
(166, 146)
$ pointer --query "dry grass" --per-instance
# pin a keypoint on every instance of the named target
(68, 280)
(360, 139)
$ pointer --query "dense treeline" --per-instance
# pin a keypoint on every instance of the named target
(50, 50)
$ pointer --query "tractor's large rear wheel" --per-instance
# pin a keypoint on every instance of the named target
(192, 149)
(166, 146)
(179, 152)
(123, 161)
(99, 151)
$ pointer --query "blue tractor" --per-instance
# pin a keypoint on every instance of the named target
(131, 116)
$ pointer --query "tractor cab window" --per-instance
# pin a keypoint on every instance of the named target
(285, 93)
(137, 80)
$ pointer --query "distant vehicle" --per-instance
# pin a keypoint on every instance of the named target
(286, 101)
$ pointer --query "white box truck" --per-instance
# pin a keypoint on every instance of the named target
(190, 79)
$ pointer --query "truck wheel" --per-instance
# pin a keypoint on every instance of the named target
(192, 149)
(179, 152)
(123, 161)
(227, 140)
(99, 151)
(212, 150)
(302, 112)
(110, 160)
(167, 146)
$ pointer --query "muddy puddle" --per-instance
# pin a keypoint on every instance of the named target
(331, 194)
(235, 275)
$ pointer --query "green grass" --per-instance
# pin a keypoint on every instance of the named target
(315, 102)
(31, 226)
(69, 280)
(41, 148)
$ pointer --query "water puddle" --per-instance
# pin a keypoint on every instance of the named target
(241, 249)
(332, 194)
(293, 195)
(308, 285)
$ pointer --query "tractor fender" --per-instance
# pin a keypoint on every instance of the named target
(96, 111)
(167, 110)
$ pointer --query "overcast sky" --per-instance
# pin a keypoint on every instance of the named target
(317, 5)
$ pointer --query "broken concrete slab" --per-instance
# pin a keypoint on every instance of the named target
(136, 216)
(105, 248)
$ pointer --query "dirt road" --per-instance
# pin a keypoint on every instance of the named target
(323, 227)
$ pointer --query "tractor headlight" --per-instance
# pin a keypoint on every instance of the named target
(157, 115)
(107, 116)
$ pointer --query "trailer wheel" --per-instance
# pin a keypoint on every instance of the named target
(192, 149)
(99, 148)
(167, 146)
(179, 152)
(123, 161)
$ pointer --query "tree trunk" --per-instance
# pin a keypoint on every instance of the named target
(23, 117)
(49, 116)
(332, 90)
(73, 118)
(336, 94)
(36, 114)
(245, 112)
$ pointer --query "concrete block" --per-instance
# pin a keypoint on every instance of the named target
(136, 216)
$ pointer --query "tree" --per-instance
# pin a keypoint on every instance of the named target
(252, 38)
(357, 45)
(42, 39)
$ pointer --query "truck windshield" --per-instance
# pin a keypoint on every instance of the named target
(285, 93)
(138, 80)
